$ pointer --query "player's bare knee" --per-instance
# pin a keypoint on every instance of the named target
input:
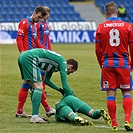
(90, 112)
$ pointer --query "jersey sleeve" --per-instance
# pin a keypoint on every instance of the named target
(48, 81)
(98, 47)
(64, 81)
(131, 45)
(20, 35)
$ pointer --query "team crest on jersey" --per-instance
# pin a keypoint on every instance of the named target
(105, 84)
(24, 22)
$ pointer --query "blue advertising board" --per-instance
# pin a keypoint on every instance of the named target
(60, 32)
(59, 36)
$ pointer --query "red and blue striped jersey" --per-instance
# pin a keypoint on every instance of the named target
(43, 34)
(113, 39)
(28, 32)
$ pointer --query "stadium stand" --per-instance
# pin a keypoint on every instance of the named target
(61, 10)
(15, 10)
(128, 4)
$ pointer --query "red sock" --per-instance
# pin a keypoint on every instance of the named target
(22, 96)
(111, 105)
(127, 106)
(44, 102)
(44, 85)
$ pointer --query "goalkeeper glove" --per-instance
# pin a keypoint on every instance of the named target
(61, 91)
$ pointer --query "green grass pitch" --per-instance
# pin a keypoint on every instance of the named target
(85, 83)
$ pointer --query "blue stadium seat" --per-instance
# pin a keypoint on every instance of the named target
(126, 19)
(20, 9)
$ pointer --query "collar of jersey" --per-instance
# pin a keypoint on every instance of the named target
(114, 18)
(29, 19)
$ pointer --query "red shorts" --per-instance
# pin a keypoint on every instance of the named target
(113, 78)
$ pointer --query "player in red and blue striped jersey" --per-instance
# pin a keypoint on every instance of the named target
(43, 30)
(114, 39)
(27, 33)
(27, 39)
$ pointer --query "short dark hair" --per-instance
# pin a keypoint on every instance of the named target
(74, 63)
(41, 10)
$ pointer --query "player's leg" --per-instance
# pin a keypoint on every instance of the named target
(109, 84)
(32, 73)
(127, 106)
(36, 100)
(22, 96)
(94, 114)
(42, 75)
(125, 80)
(36, 95)
(67, 114)
(49, 111)
(87, 110)
(111, 105)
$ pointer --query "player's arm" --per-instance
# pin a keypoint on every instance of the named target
(19, 41)
(131, 47)
(20, 36)
(64, 81)
(48, 82)
(98, 48)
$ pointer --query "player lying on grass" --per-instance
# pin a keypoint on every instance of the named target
(68, 106)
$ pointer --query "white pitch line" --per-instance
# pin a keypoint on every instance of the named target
(108, 127)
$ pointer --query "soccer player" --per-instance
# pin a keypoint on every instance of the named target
(114, 38)
(68, 106)
(26, 40)
(43, 35)
(27, 32)
(43, 30)
(31, 61)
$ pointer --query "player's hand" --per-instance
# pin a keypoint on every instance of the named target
(61, 91)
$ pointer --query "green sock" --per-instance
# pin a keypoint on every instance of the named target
(96, 114)
(64, 113)
(36, 99)
(72, 116)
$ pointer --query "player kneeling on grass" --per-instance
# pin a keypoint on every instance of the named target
(68, 106)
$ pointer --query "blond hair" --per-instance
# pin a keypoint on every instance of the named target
(110, 8)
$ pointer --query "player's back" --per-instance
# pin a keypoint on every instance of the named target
(47, 60)
(114, 39)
